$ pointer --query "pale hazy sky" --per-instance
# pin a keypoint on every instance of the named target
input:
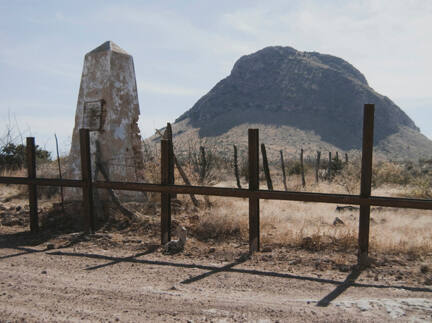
(181, 49)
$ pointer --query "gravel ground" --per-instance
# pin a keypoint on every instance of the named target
(119, 277)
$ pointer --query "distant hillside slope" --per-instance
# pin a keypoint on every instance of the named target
(318, 97)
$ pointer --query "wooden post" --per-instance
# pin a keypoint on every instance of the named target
(86, 175)
(203, 166)
(329, 167)
(283, 170)
(185, 179)
(302, 168)
(182, 173)
(266, 168)
(60, 175)
(317, 166)
(236, 170)
(366, 182)
(337, 156)
(346, 158)
(253, 154)
(168, 136)
(32, 189)
(165, 197)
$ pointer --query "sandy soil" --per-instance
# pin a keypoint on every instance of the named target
(113, 276)
(121, 274)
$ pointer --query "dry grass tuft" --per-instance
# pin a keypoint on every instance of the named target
(421, 188)
(221, 222)
(310, 226)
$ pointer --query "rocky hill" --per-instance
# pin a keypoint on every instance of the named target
(300, 100)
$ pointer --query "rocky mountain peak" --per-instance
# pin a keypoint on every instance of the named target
(280, 86)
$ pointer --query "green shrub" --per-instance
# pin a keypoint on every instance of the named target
(13, 157)
(349, 177)
(336, 166)
(392, 173)
(422, 188)
(294, 168)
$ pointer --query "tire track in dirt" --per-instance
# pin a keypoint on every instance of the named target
(45, 286)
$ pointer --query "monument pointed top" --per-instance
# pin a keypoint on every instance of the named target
(109, 46)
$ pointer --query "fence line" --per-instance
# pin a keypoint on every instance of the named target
(384, 201)
(253, 193)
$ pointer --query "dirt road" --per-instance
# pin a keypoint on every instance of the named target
(80, 278)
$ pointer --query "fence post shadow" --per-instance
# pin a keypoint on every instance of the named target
(151, 249)
(243, 258)
(349, 281)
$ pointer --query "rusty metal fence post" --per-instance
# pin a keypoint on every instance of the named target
(366, 181)
(165, 197)
(86, 175)
(253, 154)
(32, 189)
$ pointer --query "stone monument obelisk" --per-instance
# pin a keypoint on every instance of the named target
(108, 107)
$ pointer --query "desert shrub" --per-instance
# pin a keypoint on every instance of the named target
(222, 162)
(391, 173)
(425, 166)
(349, 177)
(207, 162)
(150, 152)
(343, 241)
(383, 172)
(217, 227)
(294, 168)
(421, 188)
(336, 166)
(13, 157)
(244, 168)
(202, 161)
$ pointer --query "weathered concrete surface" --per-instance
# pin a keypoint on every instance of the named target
(108, 107)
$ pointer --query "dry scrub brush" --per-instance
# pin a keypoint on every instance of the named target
(310, 226)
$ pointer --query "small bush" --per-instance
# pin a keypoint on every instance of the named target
(244, 169)
(422, 188)
(349, 177)
(336, 166)
(218, 227)
(13, 157)
(204, 162)
(391, 173)
(294, 168)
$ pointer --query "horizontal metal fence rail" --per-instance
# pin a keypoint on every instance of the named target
(396, 202)
(41, 181)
